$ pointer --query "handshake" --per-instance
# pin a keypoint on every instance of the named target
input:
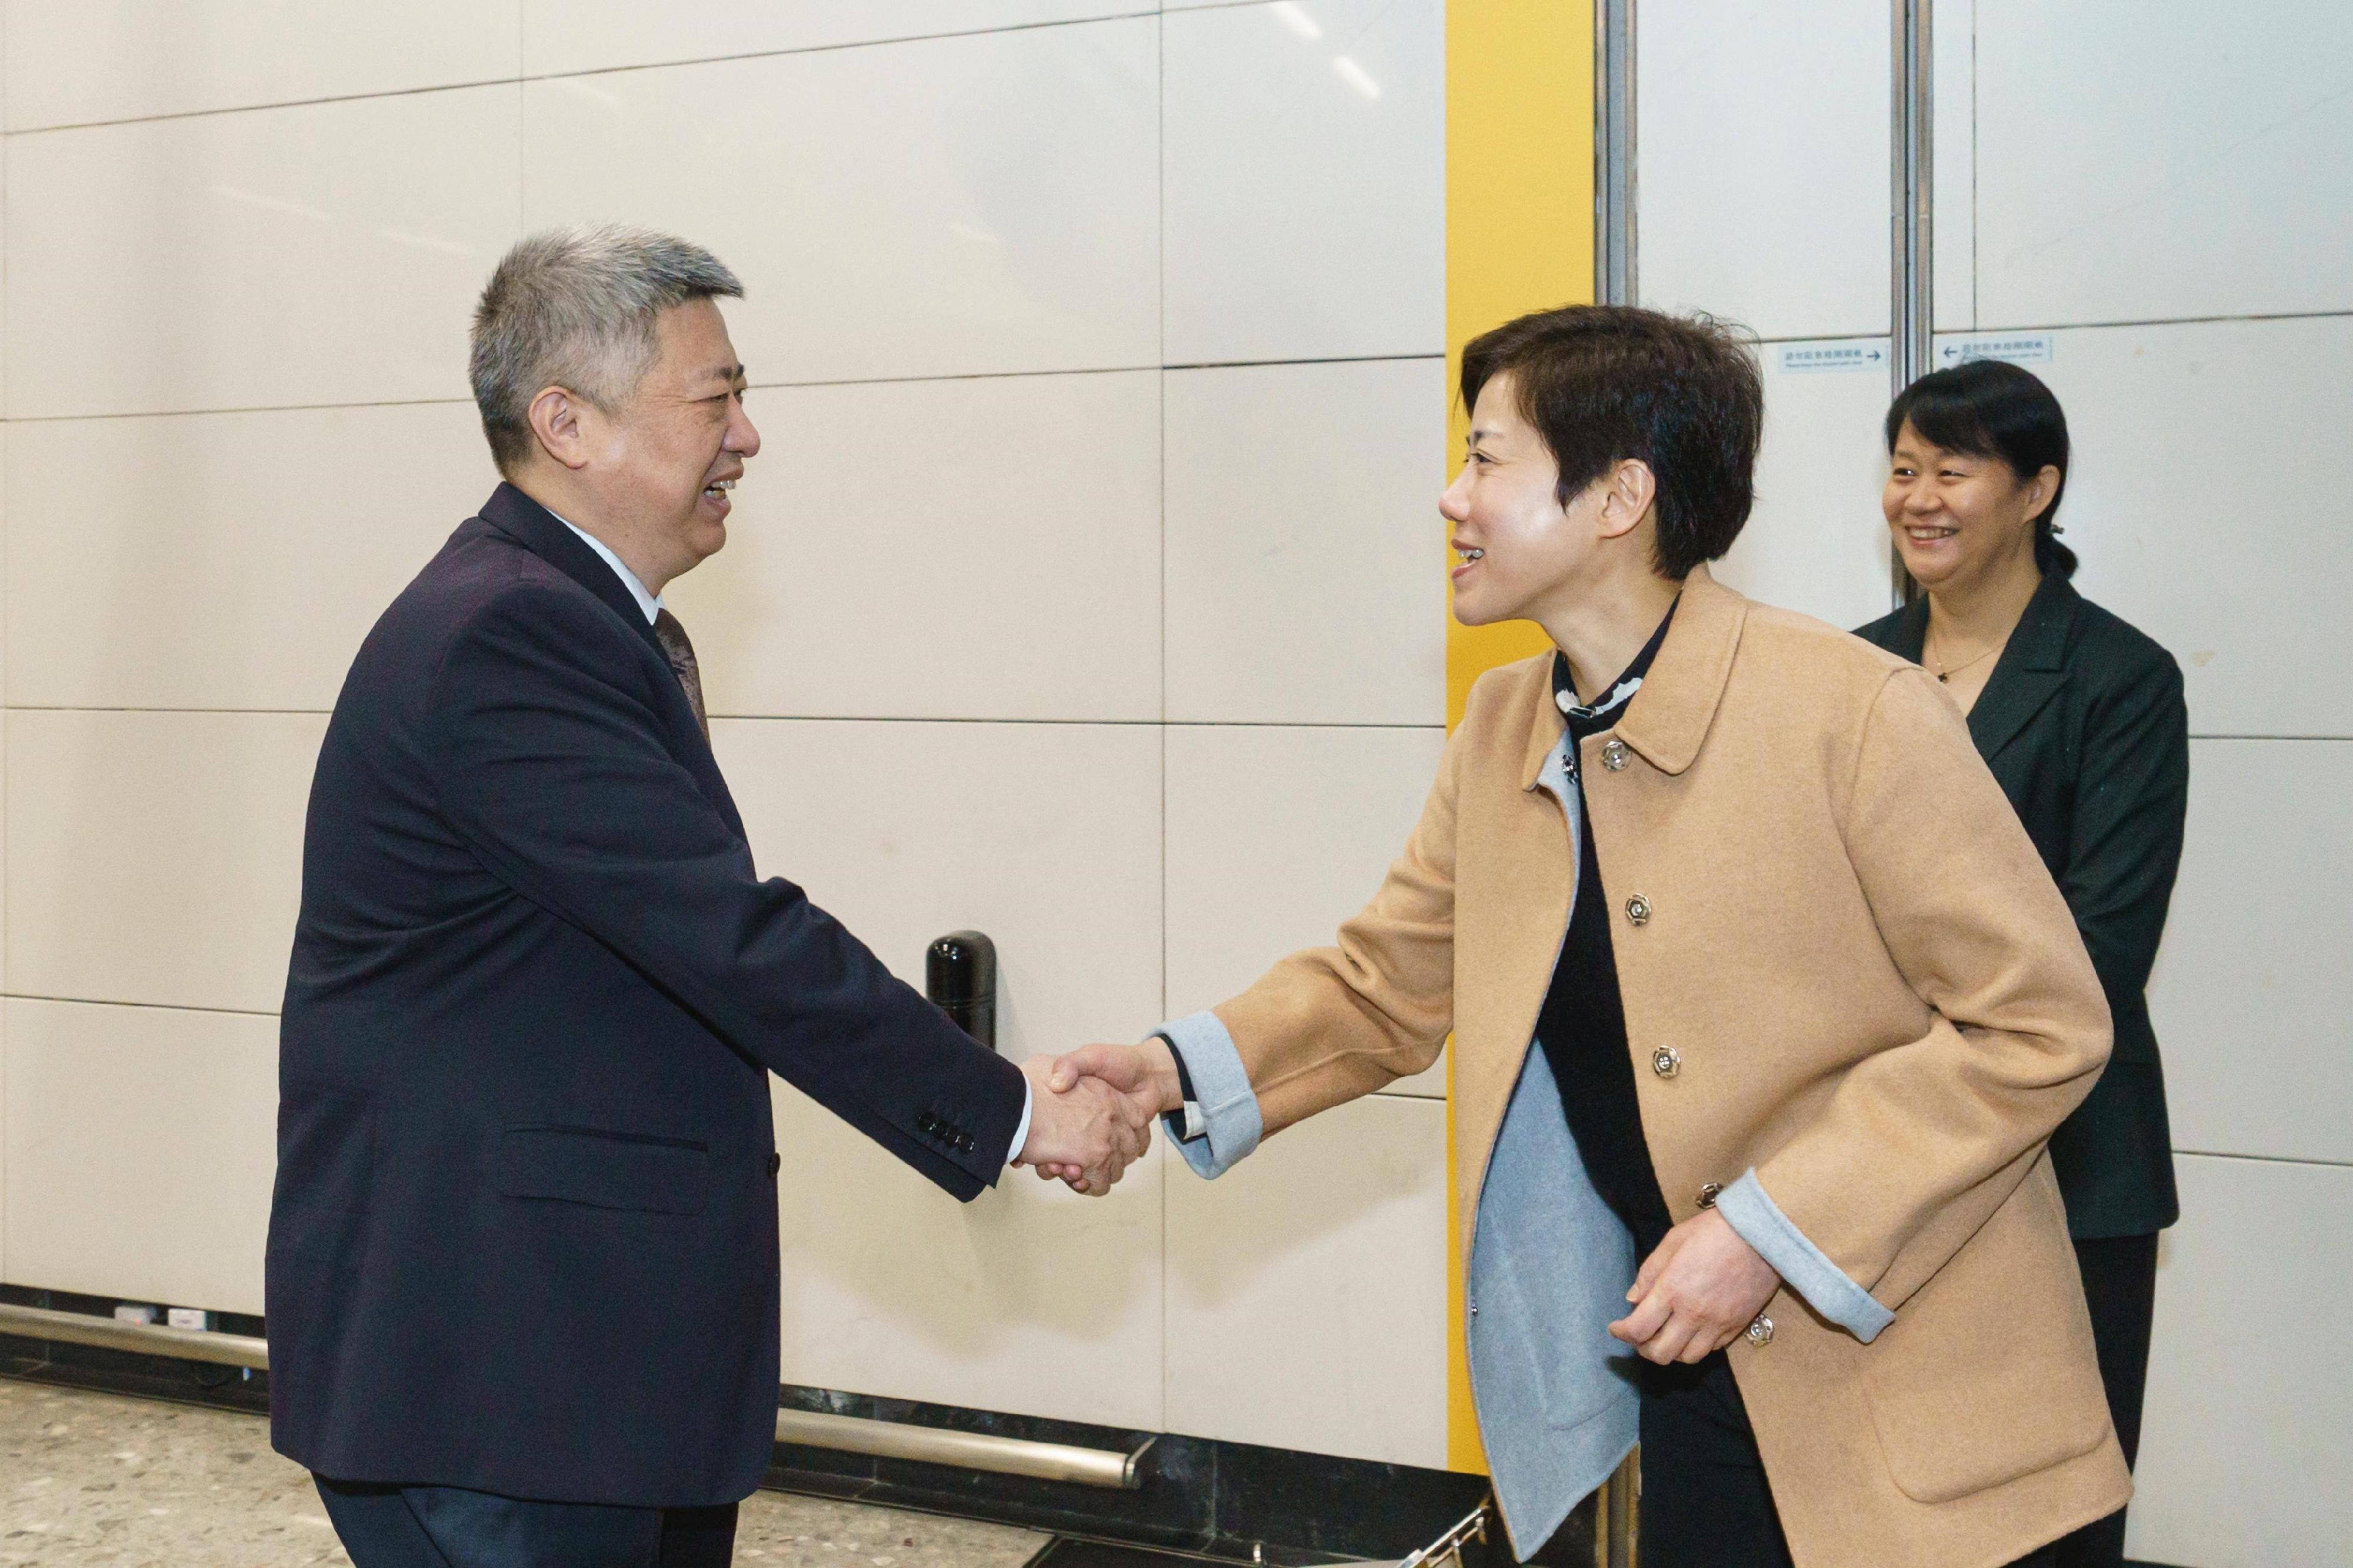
(1091, 1111)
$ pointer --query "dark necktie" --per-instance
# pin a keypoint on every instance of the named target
(681, 654)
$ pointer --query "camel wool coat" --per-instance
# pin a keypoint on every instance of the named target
(1846, 975)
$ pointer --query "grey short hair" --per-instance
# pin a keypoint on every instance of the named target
(576, 308)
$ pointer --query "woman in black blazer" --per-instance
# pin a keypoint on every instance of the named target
(2080, 718)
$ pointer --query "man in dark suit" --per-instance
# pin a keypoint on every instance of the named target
(523, 1266)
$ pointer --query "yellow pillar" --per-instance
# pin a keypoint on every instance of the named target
(1519, 238)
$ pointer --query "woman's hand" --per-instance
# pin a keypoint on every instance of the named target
(1697, 1293)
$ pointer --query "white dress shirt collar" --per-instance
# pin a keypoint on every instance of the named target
(650, 603)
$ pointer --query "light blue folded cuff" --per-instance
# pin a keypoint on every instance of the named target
(1229, 1118)
(1803, 1267)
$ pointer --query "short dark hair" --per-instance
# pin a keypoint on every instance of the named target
(1605, 383)
(1991, 408)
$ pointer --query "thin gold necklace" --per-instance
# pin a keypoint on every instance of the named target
(1944, 672)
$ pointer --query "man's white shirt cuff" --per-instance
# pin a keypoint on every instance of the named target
(1021, 1132)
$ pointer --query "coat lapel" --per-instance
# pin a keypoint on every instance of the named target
(2031, 668)
(542, 533)
(1669, 718)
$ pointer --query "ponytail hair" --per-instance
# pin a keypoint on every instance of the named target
(1991, 408)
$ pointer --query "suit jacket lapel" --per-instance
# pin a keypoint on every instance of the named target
(542, 533)
(2031, 668)
(1910, 640)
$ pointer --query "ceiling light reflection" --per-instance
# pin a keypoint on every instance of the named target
(1356, 76)
(1289, 13)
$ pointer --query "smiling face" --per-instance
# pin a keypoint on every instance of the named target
(1522, 554)
(1958, 519)
(663, 463)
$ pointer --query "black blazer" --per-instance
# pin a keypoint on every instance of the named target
(2083, 722)
(524, 1233)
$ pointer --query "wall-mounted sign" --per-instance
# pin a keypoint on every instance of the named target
(2017, 348)
(1833, 354)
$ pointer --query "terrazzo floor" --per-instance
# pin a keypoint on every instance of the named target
(97, 1479)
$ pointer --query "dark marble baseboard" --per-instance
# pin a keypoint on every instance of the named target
(1233, 1501)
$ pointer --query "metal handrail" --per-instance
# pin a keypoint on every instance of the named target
(138, 1338)
(1103, 1468)
(848, 1434)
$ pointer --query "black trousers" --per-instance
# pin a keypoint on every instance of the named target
(2120, 1287)
(1706, 1503)
(448, 1527)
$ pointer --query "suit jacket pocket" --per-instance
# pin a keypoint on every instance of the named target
(1988, 1373)
(604, 1168)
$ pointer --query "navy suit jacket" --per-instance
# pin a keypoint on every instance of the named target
(524, 1233)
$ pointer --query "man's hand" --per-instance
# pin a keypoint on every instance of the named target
(1145, 1074)
(1697, 1293)
(1087, 1134)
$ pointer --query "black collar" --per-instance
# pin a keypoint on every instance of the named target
(1592, 718)
(544, 534)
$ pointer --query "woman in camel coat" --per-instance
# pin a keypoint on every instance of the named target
(1849, 1008)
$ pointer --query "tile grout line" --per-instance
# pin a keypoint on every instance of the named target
(144, 1006)
(755, 386)
(523, 76)
(2264, 1159)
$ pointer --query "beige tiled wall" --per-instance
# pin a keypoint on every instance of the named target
(999, 538)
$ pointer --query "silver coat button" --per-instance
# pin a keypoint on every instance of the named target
(1666, 1062)
(1760, 1332)
(1707, 1193)
(1613, 756)
(1637, 909)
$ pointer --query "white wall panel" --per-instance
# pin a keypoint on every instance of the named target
(1817, 541)
(563, 35)
(222, 559)
(1952, 185)
(2200, 513)
(2251, 992)
(124, 59)
(1276, 835)
(1031, 1299)
(1304, 181)
(1307, 1288)
(1044, 836)
(1305, 557)
(2137, 164)
(157, 858)
(325, 254)
(983, 547)
(953, 206)
(2243, 1442)
(1764, 140)
(140, 1146)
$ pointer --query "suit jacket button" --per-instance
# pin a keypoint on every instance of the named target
(1760, 1332)
(1707, 1193)
(1637, 909)
(1613, 756)
(1666, 1061)
(776, 1163)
